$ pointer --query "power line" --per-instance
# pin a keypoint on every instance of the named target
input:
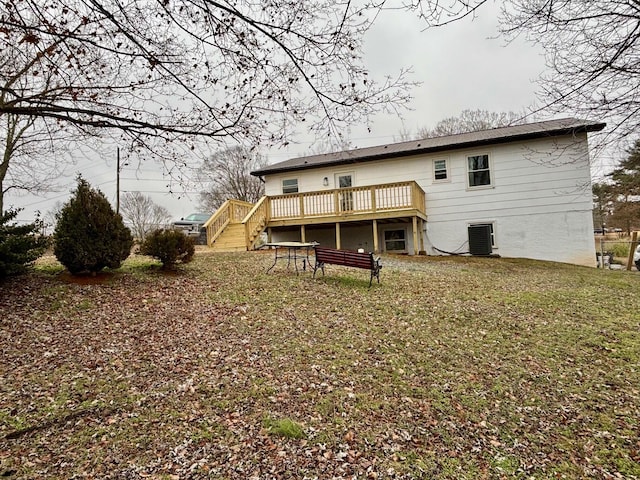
(170, 192)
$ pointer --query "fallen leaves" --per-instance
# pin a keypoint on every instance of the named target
(173, 376)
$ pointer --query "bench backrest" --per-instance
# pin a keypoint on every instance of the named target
(344, 257)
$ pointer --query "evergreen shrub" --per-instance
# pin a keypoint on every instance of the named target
(90, 235)
(169, 246)
(20, 245)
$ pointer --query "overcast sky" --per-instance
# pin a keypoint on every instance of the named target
(460, 66)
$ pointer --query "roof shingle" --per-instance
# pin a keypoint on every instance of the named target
(528, 131)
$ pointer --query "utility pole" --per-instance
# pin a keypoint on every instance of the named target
(118, 181)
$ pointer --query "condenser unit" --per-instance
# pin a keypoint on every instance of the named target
(480, 240)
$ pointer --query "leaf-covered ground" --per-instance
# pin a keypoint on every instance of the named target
(456, 368)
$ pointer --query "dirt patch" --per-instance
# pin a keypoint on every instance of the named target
(99, 278)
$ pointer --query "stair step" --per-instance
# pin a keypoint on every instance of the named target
(233, 239)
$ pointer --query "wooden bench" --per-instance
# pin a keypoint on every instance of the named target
(347, 258)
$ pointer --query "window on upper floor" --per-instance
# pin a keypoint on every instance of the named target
(440, 170)
(290, 185)
(479, 171)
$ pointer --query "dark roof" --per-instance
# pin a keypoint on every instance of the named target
(529, 131)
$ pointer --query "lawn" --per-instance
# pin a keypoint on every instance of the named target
(450, 368)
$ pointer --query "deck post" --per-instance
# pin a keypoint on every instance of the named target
(375, 236)
(338, 236)
(415, 235)
(373, 199)
(303, 234)
(421, 236)
(269, 235)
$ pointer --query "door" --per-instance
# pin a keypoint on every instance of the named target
(345, 180)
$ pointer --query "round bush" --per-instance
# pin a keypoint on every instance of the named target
(169, 246)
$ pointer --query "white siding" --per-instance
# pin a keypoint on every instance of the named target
(539, 200)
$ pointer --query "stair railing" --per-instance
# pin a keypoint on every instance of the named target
(220, 219)
(231, 211)
(255, 222)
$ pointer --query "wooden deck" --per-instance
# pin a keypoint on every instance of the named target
(404, 200)
(374, 202)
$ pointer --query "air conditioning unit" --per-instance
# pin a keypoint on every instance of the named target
(480, 240)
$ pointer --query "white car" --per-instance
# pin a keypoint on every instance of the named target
(636, 257)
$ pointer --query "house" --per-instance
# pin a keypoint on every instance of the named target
(519, 191)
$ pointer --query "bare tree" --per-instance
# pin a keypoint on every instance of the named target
(33, 149)
(142, 215)
(165, 76)
(472, 121)
(436, 13)
(228, 176)
(160, 71)
(591, 49)
(50, 218)
(30, 155)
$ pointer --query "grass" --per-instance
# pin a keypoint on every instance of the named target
(283, 427)
(451, 368)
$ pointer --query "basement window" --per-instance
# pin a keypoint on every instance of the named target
(395, 241)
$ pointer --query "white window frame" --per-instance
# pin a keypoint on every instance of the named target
(492, 224)
(289, 189)
(446, 170)
(405, 239)
(347, 173)
(346, 198)
(489, 169)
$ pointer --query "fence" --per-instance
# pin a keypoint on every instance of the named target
(610, 249)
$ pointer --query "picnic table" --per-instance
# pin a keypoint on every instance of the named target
(291, 252)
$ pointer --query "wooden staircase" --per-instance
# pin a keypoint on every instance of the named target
(232, 239)
(236, 226)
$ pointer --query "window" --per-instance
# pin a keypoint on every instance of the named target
(395, 241)
(345, 180)
(478, 169)
(440, 170)
(290, 185)
(493, 231)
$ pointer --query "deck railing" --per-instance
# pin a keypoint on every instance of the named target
(231, 211)
(344, 201)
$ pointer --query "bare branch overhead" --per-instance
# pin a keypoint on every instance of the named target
(190, 68)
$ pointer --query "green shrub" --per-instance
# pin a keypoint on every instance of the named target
(169, 246)
(90, 235)
(620, 250)
(20, 245)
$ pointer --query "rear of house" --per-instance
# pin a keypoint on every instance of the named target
(525, 190)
